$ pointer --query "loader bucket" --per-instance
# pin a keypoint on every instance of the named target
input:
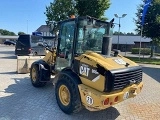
(24, 63)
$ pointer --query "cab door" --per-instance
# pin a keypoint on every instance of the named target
(65, 45)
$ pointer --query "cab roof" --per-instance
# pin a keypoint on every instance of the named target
(81, 18)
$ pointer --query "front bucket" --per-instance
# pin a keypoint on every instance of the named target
(24, 63)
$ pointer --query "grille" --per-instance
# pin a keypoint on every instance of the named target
(119, 79)
(124, 79)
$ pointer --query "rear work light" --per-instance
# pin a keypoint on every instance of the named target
(106, 101)
(116, 99)
(29, 50)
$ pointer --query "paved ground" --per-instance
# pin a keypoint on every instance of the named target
(19, 100)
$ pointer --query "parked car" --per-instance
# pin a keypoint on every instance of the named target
(27, 45)
(38, 50)
(9, 43)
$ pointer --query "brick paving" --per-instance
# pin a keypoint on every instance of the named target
(19, 100)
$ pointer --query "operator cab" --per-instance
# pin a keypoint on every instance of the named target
(78, 35)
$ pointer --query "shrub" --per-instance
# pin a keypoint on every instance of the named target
(144, 51)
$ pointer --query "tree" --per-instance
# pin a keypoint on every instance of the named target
(6, 32)
(21, 33)
(62, 9)
(94, 8)
(130, 33)
(121, 33)
(151, 27)
(118, 33)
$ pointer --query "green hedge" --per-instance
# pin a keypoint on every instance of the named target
(144, 51)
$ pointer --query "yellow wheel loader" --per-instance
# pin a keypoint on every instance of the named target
(87, 73)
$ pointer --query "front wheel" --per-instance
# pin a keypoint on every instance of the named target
(35, 77)
(67, 95)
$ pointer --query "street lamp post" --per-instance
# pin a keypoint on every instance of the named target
(27, 26)
(119, 27)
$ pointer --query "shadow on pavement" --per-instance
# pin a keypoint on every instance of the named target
(19, 99)
(7, 52)
(9, 57)
(152, 72)
(23, 101)
(107, 114)
(9, 73)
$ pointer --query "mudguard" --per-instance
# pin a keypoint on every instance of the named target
(44, 70)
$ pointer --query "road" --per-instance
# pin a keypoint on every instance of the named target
(19, 100)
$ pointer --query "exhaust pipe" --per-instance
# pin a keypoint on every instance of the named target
(106, 45)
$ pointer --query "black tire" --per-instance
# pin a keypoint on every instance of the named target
(75, 104)
(36, 81)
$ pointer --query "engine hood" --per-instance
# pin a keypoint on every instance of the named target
(110, 63)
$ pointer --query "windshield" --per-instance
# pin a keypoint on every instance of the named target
(90, 36)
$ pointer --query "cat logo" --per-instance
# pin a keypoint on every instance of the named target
(84, 70)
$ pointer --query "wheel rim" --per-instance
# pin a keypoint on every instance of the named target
(34, 75)
(64, 95)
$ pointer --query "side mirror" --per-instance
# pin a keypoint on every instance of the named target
(111, 23)
(116, 52)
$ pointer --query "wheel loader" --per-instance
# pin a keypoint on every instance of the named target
(87, 73)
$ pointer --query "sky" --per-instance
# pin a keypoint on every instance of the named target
(121, 7)
(27, 15)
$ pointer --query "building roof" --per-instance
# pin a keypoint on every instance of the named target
(8, 37)
(125, 39)
(43, 28)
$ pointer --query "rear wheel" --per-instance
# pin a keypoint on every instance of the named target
(67, 95)
(64, 95)
(35, 77)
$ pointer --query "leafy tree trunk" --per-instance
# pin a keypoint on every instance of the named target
(151, 26)
(59, 10)
(94, 8)
(152, 44)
